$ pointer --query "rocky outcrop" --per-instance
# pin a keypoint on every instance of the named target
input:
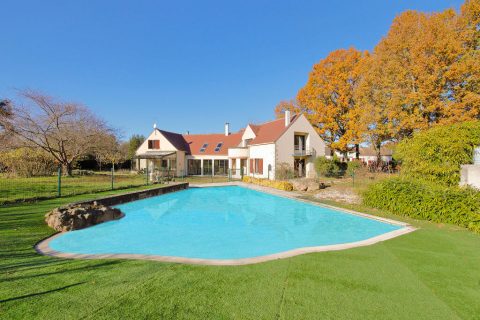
(81, 216)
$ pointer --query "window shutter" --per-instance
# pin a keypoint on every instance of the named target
(157, 144)
(260, 166)
(251, 165)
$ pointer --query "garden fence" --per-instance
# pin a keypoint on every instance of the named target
(15, 189)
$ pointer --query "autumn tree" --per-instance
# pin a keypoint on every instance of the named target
(424, 72)
(376, 118)
(284, 105)
(328, 98)
(65, 130)
(462, 91)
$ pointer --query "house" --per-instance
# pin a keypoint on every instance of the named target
(255, 150)
(367, 154)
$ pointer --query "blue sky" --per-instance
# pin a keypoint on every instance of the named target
(187, 65)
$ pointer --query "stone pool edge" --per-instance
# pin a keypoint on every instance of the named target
(43, 246)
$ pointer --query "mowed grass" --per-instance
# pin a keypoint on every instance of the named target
(432, 273)
(20, 189)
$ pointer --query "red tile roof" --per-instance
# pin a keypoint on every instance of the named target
(196, 141)
(269, 132)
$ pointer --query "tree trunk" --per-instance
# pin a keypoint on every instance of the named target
(378, 147)
(67, 169)
(357, 151)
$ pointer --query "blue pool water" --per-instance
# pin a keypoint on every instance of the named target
(219, 223)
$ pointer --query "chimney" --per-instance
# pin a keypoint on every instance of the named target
(287, 118)
(227, 128)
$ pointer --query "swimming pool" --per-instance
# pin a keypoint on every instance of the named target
(220, 223)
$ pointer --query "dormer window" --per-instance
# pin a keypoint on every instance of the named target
(204, 147)
(154, 144)
(218, 147)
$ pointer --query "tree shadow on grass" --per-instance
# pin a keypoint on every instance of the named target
(79, 269)
(41, 293)
(22, 266)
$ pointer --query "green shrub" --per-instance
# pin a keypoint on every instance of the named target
(327, 167)
(426, 201)
(353, 166)
(436, 154)
(281, 185)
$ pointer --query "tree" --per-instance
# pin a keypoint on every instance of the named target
(5, 114)
(328, 98)
(133, 144)
(463, 77)
(67, 131)
(5, 108)
(282, 106)
(110, 149)
(425, 72)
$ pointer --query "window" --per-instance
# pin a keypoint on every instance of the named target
(207, 167)
(204, 147)
(218, 147)
(221, 167)
(194, 167)
(256, 166)
(153, 144)
(299, 141)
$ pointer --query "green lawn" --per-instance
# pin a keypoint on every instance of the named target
(432, 273)
(19, 189)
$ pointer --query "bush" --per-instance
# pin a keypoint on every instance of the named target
(27, 162)
(284, 171)
(437, 154)
(277, 184)
(353, 166)
(426, 201)
(327, 167)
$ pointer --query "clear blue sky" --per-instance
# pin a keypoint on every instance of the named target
(187, 65)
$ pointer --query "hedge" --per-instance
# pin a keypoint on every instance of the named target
(426, 201)
(281, 185)
(437, 154)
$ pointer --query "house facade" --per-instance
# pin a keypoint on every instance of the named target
(256, 150)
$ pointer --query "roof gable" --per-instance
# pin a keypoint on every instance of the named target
(269, 132)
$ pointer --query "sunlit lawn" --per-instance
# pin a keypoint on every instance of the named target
(432, 273)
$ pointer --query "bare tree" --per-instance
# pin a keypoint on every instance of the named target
(65, 130)
(111, 149)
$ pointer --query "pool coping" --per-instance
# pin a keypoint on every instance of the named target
(43, 247)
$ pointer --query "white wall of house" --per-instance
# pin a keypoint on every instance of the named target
(165, 145)
(248, 133)
(285, 145)
(267, 153)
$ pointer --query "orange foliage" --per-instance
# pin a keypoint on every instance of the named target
(328, 98)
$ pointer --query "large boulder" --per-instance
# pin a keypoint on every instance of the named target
(300, 184)
(80, 216)
(306, 184)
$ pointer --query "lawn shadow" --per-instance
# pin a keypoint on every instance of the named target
(84, 268)
(41, 293)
